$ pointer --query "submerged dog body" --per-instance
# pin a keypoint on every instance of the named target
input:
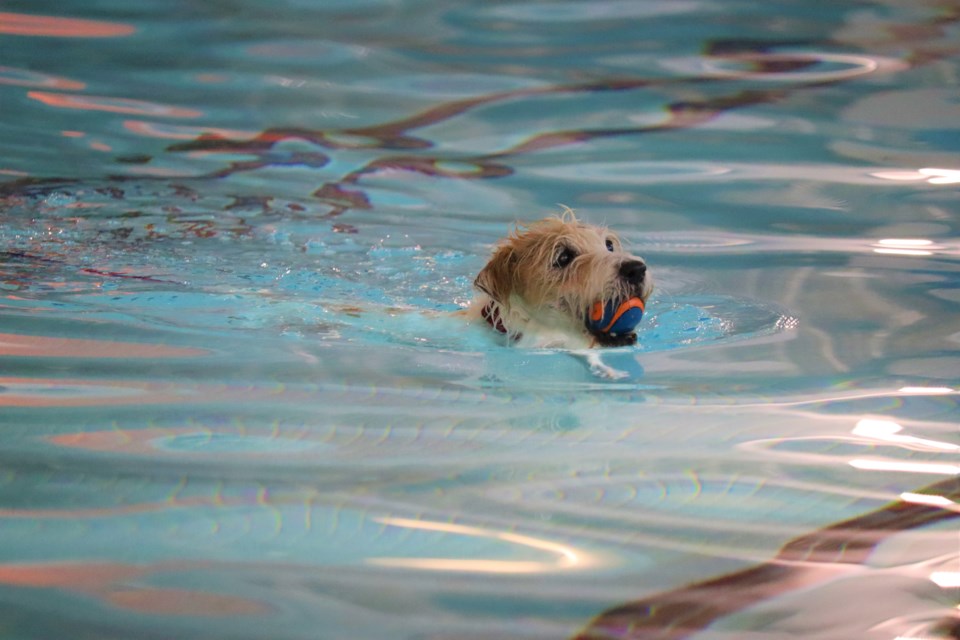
(542, 280)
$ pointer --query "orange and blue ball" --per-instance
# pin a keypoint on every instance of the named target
(615, 318)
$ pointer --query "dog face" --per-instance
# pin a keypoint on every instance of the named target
(547, 275)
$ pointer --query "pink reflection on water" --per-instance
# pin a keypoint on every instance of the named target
(183, 602)
(181, 132)
(15, 344)
(113, 105)
(54, 392)
(19, 24)
(118, 584)
(79, 392)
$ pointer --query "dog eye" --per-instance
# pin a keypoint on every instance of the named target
(610, 245)
(564, 258)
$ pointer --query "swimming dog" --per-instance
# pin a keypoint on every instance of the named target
(545, 279)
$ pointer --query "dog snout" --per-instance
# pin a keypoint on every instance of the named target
(633, 271)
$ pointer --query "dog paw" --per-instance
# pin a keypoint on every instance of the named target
(601, 370)
(609, 373)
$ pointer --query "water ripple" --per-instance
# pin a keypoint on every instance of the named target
(796, 66)
(29, 78)
(113, 105)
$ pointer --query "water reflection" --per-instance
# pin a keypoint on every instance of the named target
(941, 176)
(825, 555)
(20, 24)
(904, 247)
(905, 467)
(946, 579)
(29, 78)
(39, 346)
(112, 105)
(121, 585)
(795, 66)
(934, 501)
(565, 557)
(931, 391)
(181, 132)
(888, 431)
(496, 493)
(928, 175)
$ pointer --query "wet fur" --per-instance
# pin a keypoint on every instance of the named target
(543, 305)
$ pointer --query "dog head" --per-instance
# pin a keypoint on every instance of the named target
(549, 273)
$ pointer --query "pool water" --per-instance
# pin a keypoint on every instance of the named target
(235, 403)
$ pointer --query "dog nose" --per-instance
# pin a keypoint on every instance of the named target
(633, 271)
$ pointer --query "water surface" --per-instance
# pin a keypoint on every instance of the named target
(235, 404)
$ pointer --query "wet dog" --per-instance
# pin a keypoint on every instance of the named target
(542, 281)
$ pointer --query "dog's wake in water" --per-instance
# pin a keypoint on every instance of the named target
(556, 287)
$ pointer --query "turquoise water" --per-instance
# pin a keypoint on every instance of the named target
(234, 404)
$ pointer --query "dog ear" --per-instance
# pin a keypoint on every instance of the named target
(496, 279)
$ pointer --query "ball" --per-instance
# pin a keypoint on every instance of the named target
(615, 318)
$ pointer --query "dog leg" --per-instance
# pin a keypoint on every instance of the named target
(598, 368)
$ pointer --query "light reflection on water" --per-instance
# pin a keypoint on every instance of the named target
(235, 403)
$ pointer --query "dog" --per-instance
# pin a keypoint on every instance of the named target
(543, 279)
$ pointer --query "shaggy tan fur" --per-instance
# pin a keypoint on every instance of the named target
(542, 297)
